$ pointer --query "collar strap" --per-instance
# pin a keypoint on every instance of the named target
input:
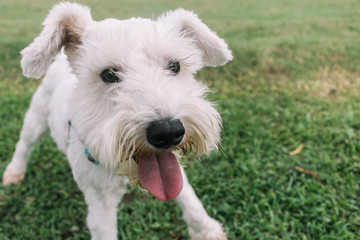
(86, 149)
(90, 157)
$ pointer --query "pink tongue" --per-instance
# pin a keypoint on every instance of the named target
(160, 174)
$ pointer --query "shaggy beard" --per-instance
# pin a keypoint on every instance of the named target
(126, 142)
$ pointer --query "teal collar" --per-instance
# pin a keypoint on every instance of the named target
(89, 156)
(86, 149)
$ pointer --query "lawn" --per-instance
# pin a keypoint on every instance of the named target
(289, 163)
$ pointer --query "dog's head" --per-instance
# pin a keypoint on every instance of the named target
(136, 100)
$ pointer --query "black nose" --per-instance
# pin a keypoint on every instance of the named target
(165, 134)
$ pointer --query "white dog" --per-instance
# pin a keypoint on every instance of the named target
(124, 92)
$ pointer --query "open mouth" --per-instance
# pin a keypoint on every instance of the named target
(160, 174)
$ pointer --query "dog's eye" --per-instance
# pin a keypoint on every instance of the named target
(174, 67)
(109, 75)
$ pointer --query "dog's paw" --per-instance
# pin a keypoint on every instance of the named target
(12, 177)
(211, 231)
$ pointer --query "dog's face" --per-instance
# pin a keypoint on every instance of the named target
(136, 101)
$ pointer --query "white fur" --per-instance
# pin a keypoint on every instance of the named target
(112, 118)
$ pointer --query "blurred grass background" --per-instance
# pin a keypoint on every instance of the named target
(294, 82)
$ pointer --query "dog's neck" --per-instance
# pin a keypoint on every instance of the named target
(86, 148)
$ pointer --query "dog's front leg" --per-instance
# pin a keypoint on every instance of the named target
(201, 226)
(34, 128)
(102, 199)
(102, 190)
(101, 219)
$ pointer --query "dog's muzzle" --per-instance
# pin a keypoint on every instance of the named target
(159, 172)
(165, 134)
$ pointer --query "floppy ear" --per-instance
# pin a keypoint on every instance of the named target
(63, 26)
(215, 50)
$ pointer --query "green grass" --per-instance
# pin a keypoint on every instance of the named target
(295, 80)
